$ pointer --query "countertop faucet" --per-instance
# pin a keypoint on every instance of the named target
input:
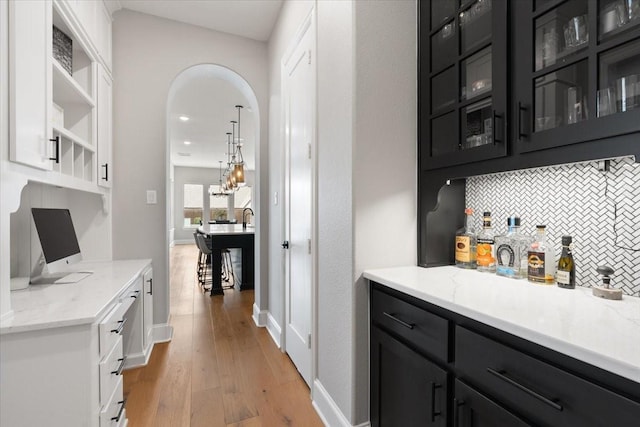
(244, 222)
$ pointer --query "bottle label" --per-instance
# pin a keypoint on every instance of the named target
(563, 277)
(463, 249)
(535, 266)
(485, 253)
(506, 256)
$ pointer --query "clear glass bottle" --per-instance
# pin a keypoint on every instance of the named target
(485, 249)
(466, 243)
(541, 259)
(566, 274)
(511, 251)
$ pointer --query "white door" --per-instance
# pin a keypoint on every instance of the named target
(299, 84)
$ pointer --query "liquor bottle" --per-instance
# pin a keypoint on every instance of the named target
(511, 251)
(566, 275)
(486, 256)
(541, 259)
(466, 243)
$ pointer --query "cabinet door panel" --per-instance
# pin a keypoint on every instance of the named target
(30, 83)
(406, 388)
(472, 409)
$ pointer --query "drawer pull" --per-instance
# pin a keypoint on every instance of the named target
(434, 413)
(121, 367)
(503, 376)
(405, 324)
(117, 417)
(457, 405)
(119, 329)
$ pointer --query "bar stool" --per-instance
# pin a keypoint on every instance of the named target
(204, 261)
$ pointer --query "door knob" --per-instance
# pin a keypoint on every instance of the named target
(285, 244)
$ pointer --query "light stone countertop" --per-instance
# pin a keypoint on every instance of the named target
(571, 321)
(222, 229)
(49, 306)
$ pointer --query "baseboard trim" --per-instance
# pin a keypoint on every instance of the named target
(162, 332)
(327, 409)
(6, 316)
(274, 330)
(259, 316)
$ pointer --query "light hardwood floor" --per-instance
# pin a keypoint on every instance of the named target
(219, 369)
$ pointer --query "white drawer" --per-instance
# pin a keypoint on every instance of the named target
(133, 292)
(111, 371)
(112, 413)
(112, 325)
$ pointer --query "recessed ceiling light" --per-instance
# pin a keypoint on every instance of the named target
(184, 118)
(187, 143)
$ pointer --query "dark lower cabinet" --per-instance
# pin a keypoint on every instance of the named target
(472, 409)
(406, 388)
(434, 367)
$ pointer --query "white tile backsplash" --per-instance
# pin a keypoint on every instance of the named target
(601, 210)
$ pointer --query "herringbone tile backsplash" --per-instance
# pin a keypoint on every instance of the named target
(601, 210)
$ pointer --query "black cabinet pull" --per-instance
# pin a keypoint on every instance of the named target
(285, 244)
(57, 157)
(150, 286)
(503, 376)
(106, 172)
(405, 324)
(521, 109)
(121, 367)
(121, 403)
(119, 329)
(495, 116)
(434, 413)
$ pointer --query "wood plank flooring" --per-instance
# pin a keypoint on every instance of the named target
(219, 370)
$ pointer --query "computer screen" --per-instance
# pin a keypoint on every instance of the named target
(57, 237)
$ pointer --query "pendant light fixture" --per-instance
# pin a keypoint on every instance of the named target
(221, 192)
(231, 179)
(238, 166)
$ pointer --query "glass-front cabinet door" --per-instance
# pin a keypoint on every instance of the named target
(463, 81)
(577, 71)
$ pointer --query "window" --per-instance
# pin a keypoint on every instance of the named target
(218, 206)
(193, 205)
(242, 200)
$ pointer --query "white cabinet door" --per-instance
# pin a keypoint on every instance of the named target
(148, 310)
(103, 36)
(85, 11)
(105, 169)
(30, 83)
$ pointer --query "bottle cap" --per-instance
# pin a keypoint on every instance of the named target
(486, 213)
(513, 221)
(541, 226)
(468, 211)
(566, 240)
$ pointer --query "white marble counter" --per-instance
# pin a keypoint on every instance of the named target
(599, 332)
(219, 229)
(49, 306)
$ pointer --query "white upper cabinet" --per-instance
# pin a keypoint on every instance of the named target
(30, 83)
(58, 89)
(105, 115)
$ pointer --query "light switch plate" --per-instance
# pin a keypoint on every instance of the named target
(151, 197)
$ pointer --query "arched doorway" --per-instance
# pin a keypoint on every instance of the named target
(201, 103)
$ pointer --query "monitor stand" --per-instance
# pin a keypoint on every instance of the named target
(40, 275)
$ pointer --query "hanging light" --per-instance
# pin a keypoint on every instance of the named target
(238, 166)
(221, 191)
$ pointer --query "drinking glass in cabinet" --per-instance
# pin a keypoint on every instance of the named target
(560, 97)
(618, 15)
(477, 124)
(476, 74)
(619, 79)
(475, 25)
(576, 33)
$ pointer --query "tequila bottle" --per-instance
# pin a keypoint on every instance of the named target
(511, 251)
(541, 259)
(486, 258)
(466, 243)
(566, 275)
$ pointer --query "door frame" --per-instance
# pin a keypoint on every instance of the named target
(308, 24)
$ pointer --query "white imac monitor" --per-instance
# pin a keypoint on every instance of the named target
(59, 244)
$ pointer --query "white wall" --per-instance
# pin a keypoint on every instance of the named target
(148, 53)
(367, 120)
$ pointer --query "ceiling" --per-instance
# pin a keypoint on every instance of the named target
(205, 98)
